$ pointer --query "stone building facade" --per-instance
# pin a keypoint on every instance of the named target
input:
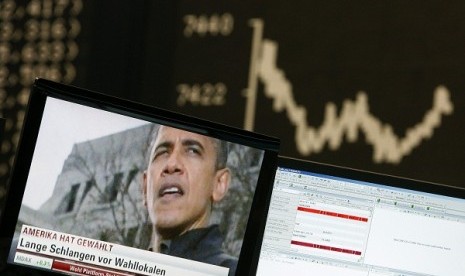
(98, 192)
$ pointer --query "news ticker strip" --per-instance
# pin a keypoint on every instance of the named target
(64, 266)
(54, 250)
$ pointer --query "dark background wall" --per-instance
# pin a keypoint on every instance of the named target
(196, 57)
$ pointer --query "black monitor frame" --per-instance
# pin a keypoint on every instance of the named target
(362, 176)
(42, 89)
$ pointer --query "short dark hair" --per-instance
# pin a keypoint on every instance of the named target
(221, 147)
(222, 153)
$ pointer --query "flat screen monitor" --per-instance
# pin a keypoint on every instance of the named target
(105, 186)
(328, 220)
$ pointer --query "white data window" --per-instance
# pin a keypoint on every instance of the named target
(267, 267)
(416, 243)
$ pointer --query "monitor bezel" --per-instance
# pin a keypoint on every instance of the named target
(42, 89)
(356, 175)
(372, 177)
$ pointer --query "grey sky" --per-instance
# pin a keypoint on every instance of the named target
(63, 125)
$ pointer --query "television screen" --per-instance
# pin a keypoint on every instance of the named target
(104, 186)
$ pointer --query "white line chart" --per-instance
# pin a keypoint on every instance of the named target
(354, 117)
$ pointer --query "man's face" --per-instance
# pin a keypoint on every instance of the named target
(181, 181)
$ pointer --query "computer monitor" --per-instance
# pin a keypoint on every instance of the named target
(105, 186)
(328, 220)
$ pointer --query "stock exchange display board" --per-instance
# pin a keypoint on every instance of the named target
(370, 85)
(37, 38)
(375, 86)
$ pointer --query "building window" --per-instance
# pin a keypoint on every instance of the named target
(129, 179)
(87, 188)
(111, 190)
(72, 198)
(68, 201)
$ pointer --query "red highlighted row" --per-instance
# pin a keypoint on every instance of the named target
(332, 214)
(84, 270)
(326, 247)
